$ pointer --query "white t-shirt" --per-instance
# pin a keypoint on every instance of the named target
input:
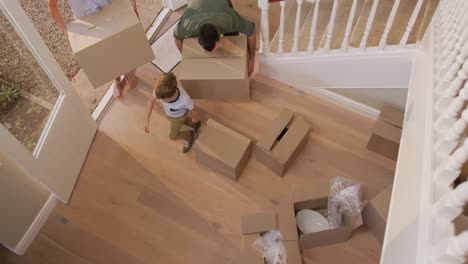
(180, 106)
(81, 8)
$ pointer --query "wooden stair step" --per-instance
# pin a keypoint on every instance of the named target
(289, 24)
(413, 36)
(427, 17)
(380, 22)
(403, 15)
(325, 8)
(358, 30)
(342, 14)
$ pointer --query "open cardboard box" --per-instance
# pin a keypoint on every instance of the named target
(253, 226)
(109, 43)
(223, 149)
(215, 75)
(375, 213)
(316, 198)
(282, 141)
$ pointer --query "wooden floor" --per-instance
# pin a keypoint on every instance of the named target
(140, 200)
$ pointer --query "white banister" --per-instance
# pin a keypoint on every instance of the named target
(331, 25)
(449, 116)
(296, 27)
(310, 48)
(451, 250)
(450, 169)
(281, 28)
(451, 205)
(349, 26)
(389, 24)
(411, 22)
(370, 21)
(447, 95)
(446, 144)
(265, 28)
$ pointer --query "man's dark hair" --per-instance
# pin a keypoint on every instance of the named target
(208, 35)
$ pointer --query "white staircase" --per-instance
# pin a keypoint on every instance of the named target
(393, 44)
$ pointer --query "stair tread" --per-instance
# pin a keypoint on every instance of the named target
(427, 17)
(358, 31)
(289, 24)
(403, 15)
(325, 9)
(342, 14)
(413, 36)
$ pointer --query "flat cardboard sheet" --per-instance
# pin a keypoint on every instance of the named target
(392, 116)
(258, 223)
(166, 54)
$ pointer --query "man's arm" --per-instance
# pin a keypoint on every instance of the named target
(251, 43)
(149, 111)
(179, 44)
(57, 16)
(135, 7)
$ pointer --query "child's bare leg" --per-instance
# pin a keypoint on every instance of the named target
(118, 87)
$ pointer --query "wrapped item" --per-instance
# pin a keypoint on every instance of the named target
(344, 198)
(272, 248)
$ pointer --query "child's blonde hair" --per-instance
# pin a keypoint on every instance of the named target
(166, 86)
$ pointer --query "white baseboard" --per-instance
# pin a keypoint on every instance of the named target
(36, 225)
(343, 101)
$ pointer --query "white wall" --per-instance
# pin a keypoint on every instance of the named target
(377, 97)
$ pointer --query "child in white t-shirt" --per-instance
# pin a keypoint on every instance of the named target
(179, 109)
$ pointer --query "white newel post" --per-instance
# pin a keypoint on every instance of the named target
(281, 28)
(310, 47)
(411, 22)
(331, 25)
(391, 18)
(265, 28)
(349, 25)
(369, 24)
(296, 27)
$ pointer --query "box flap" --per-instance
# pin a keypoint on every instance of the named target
(91, 29)
(387, 130)
(250, 254)
(381, 202)
(212, 69)
(233, 46)
(269, 137)
(392, 115)
(324, 238)
(310, 191)
(293, 137)
(222, 143)
(258, 223)
(353, 221)
(293, 252)
(286, 220)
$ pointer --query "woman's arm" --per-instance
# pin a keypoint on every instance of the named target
(149, 110)
(57, 16)
(135, 7)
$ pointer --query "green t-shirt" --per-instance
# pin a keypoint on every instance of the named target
(216, 12)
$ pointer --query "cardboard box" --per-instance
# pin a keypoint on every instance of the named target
(375, 213)
(258, 223)
(282, 142)
(219, 75)
(287, 221)
(316, 198)
(392, 116)
(109, 43)
(385, 139)
(223, 149)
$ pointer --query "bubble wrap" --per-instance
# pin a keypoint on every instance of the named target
(344, 198)
(271, 246)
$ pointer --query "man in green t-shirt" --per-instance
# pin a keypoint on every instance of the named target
(208, 19)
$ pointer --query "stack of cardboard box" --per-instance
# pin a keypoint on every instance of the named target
(386, 133)
(109, 43)
(282, 141)
(215, 75)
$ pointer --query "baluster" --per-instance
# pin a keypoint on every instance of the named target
(265, 28)
(331, 25)
(444, 97)
(296, 27)
(449, 69)
(281, 28)
(391, 18)
(310, 48)
(449, 17)
(451, 250)
(411, 22)
(369, 24)
(450, 205)
(448, 117)
(349, 25)
(449, 55)
(447, 172)
(449, 141)
(452, 33)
